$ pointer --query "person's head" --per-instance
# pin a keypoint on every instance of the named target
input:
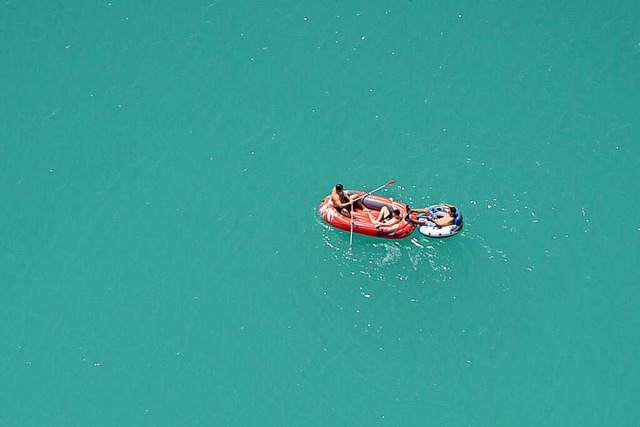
(395, 213)
(452, 211)
(339, 188)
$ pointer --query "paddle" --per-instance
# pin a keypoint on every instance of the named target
(351, 233)
(373, 191)
(362, 197)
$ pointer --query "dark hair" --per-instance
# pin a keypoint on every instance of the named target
(453, 211)
(396, 211)
(339, 187)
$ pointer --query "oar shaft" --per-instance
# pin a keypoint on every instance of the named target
(351, 232)
(373, 191)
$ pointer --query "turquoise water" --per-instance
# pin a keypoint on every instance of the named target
(162, 258)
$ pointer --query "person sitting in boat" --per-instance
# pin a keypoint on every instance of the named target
(343, 202)
(386, 217)
(443, 221)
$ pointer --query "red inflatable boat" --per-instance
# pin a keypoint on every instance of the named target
(362, 223)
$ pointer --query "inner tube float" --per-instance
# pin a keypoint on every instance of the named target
(362, 224)
(430, 229)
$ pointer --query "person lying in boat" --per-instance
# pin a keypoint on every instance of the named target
(447, 219)
(386, 217)
(344, 202)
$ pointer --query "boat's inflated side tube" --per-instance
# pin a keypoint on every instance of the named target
(376, 204)
(457, 220)
(437, 211)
